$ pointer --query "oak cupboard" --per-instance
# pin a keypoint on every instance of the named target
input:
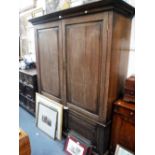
(82, 58)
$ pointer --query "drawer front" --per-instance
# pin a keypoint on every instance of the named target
(129, 92)
(27, 79)
(82, 126)
(20, 76)
(30, 93)
(31, 106)
(21, 88)
(127, 114)
(22, 99)
(96, 133)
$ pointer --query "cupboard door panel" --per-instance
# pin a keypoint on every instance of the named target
(75, 73)
(48, 41)
(92, 65)
(83, 49)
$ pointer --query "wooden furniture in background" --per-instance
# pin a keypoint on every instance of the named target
(129, 93)
(123, 125)
(24, 143)
(82, 60)
(27, 89)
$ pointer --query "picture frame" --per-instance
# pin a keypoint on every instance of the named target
(55, 105)
(51, 5)
(47, 120)
(64, 4)
(122, 151)
(37, 12)
(74, 147)
(75, 3)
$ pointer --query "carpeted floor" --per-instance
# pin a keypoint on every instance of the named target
(41, 144)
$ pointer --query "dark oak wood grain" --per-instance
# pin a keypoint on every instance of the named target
(49, 62)
(85, 70)
(49, 56)
(84, 40)
(118, 55)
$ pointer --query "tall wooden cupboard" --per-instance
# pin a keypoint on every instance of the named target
(82, 59)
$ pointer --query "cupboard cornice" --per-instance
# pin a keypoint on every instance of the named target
(118, 6)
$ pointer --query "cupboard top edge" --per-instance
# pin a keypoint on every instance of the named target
(95, 7)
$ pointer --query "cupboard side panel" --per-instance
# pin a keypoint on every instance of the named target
(120, 46)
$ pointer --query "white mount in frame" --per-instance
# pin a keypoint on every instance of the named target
(54, 105)
(47, 119)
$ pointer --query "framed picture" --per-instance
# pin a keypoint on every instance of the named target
(73, 147)
(51, 5)
(38, 12)
(64, 4)
(122, 151)
(54, 105)
(47, 119)
(74, 3)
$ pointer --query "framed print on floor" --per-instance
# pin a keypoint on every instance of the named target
(122, 151)
(54, 105)
(47, 119)
(73, 147)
